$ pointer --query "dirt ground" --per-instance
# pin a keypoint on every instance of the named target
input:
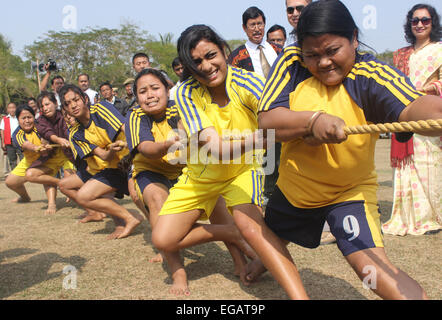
(55, 257)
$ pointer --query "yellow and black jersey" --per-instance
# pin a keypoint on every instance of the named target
(198, 112)
(19, 137)
(142, 127)
(373, 92)
(104, 128)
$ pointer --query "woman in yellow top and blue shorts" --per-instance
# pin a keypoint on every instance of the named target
(99, 139)
(315, 88)
(152, 131)
(38, 154)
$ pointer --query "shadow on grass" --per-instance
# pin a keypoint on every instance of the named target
(387, 183)
(109, 227)
(385, 210)
(18, 276)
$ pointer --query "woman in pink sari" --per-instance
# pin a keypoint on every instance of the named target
(417, 203)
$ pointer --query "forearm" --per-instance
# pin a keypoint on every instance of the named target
(153, 150)
(27, 146)
(105, 155)
(424, 108)
(44, 81)
(288, 124)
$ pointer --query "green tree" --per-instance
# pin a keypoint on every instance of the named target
(14, 86)
(105, 54)
(386, 57)
(162, 53)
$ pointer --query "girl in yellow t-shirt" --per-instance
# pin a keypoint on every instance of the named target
(214, 101)
(99, 139)
(317, 87)
(38, 154)
(152, 132)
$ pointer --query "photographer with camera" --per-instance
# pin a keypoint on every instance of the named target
(56, 82)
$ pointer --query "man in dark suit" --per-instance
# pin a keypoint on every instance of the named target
(257, 54)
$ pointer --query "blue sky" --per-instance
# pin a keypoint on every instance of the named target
(25, 21)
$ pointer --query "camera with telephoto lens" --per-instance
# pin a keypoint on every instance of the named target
(52, 66)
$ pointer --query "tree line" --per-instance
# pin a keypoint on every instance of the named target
(105, 54)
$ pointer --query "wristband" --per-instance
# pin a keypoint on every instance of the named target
(312, 121)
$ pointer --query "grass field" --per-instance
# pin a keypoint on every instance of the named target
(35, 249)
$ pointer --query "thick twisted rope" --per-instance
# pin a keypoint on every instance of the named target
(412, 126)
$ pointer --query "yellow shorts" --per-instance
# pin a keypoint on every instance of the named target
(54, 163)
(189, 194)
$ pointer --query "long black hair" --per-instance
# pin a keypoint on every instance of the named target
(326, 16)
(436, 31)
(71, 87)
(189, 39)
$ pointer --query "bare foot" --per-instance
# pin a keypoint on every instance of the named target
(52, 209)
(21, 200)
(242, 245)
(130, 226)
(239, 266)
(252, 272)
(94, 217)
(179, 286)
(134, 220)
(83, 215)
(117, 232)
(157, 259)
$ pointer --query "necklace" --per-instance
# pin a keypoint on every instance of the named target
(420, 48)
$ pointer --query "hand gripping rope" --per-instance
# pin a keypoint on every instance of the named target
(412, 126)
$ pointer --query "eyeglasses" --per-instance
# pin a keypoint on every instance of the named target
(425, 21)
(255, 25)
(290, 10)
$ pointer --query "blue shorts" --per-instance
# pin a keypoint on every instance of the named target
(83, 175)
(144, 178)
(355, 224)
(114, 178)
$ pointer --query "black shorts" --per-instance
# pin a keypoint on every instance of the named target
(144, 178)
(355, 224)
(114, 178)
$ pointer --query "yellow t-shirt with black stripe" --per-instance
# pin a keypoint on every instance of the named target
(142, 127)
(373, 92)
(104, 128)
(19, 137)
(198, 112)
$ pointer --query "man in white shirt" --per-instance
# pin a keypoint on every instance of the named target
(293, 9)
(83, 83)
(8, 126)
(178, 68)
(257, 54)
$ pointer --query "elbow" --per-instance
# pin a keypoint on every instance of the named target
(263, 121)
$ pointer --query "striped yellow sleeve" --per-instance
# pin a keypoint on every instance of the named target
(284, 76)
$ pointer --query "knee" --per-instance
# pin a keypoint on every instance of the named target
(10, 182)
(62, 185)
(163, 242)
(249, 231)
(31, 175)
(83, 198)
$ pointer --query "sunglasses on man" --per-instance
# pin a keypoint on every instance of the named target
(425, 21)
(290, 10)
